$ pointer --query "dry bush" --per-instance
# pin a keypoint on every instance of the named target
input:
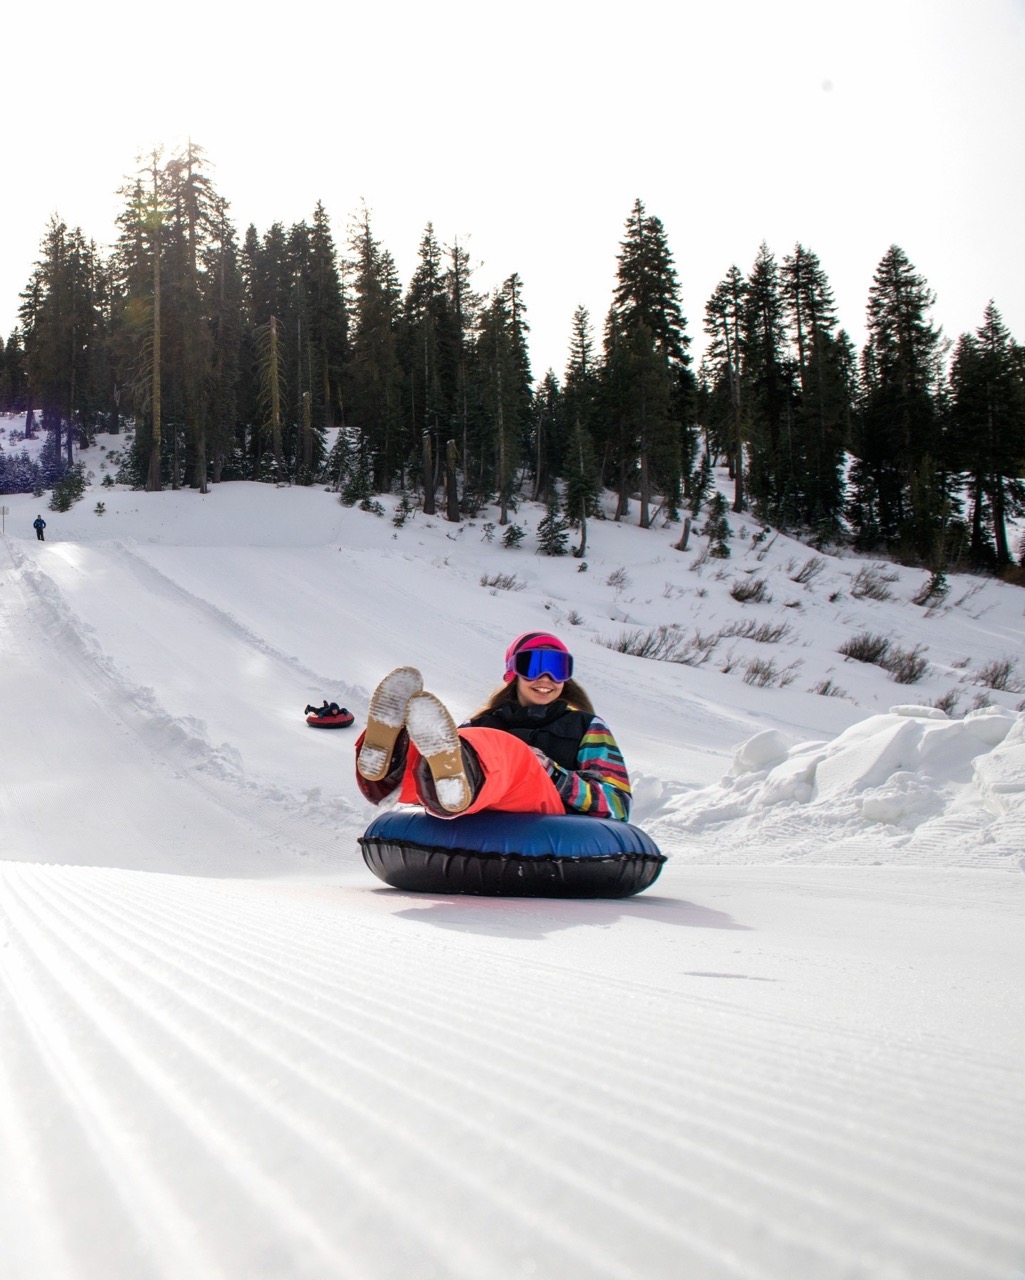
(948, 701)
(764, 674)
(762, 632)
(865, 647)
(809, 571)
(872, 584)
(502, 582)
(907, 666)
(664, 644)
(751, 591)
(999, 674)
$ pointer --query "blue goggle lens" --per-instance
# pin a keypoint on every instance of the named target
(533, 663)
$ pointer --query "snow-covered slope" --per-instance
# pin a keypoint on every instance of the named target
(229, 1051)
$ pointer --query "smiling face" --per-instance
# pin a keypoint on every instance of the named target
(539, 692)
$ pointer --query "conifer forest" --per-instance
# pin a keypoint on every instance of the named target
(285, 358)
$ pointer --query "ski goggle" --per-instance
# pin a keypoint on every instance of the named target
(534, 663)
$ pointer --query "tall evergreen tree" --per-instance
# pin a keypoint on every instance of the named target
(329, 321)
(648, 386)
(464, 307)
(194, 214)
(225, 309)
(61, 324)
(374, 376)
(427, 349)
(773, 464)
(822, 408)
(988, 434)
(725, 325)
(502, 395)
(898, 437)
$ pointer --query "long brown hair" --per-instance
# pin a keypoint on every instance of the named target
(572, 693)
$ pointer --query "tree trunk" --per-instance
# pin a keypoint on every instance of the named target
(153, 478)
(275, 399)
(451, 488)
(427, 473)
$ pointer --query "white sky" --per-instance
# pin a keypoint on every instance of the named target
(532, 134)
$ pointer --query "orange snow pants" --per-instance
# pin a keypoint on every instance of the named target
(515, 781)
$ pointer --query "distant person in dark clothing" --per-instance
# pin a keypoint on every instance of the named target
(39, 524)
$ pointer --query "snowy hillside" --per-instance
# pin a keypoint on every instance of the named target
(230, 1051)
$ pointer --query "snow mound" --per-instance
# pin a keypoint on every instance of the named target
(888, 786)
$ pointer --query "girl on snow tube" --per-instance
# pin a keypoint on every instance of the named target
(536, 746)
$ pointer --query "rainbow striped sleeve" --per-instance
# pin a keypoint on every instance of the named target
(599, 786)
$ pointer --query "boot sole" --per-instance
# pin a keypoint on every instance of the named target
(385, 719)
(434, 734)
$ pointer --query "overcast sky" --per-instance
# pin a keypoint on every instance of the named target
(529, 135)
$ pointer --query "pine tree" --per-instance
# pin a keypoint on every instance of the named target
(464, 308)
(725, 325)
(898, 420)
(647, 384)
(14, 377)
(61, 324)
(768, 393)
(194, 213)
(582, 380)
(427, 346)
(329, 322)
(225, 308)
(822, 411)
(374, 374)
(987, 437)
(547, 435)
(501, 414)
(552, 532)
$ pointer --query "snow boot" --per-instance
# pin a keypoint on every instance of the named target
(385, 721)
(451, 777)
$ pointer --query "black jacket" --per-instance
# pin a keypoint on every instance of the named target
(556, 729)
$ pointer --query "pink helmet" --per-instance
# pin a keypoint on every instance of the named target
(531, 640)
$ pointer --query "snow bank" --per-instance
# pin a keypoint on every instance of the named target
(889, 783)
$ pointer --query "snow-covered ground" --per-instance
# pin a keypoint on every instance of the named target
(228, 1051)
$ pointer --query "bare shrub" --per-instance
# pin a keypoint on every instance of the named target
(866, 648)
(872, 584)
(809, 571)
(768, 545)
(968, 595)
(751, 591)
(664, 644)
(948, 701)
(762, 632)
(907, 666)
(618, 580)
(827, 689)
(999, 674)
(764, 674)
(697, 650)
(502, 582)
(573, 618)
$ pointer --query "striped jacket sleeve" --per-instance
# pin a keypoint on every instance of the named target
(599, 786)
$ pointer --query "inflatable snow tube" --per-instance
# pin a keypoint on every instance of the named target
(521, 855)
(341, 721)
